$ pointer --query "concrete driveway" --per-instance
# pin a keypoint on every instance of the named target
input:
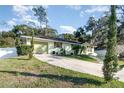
(76, 65)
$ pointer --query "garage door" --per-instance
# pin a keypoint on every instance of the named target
(40, 48)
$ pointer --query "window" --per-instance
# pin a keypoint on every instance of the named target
(23, 40)
(57, 44)
(89, 49)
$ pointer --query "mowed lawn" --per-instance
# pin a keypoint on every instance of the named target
(84, 58)
(21, 72)
(87, 58)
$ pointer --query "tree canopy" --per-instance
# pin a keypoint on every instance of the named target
(40, 13)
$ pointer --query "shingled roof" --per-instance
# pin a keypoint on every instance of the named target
(61, 39)
(55, 39)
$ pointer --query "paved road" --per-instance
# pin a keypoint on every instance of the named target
(76, 65)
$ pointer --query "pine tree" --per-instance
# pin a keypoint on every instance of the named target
(111, 59)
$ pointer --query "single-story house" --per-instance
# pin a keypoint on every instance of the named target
(120, 50)
(51, 45)
(89, 49)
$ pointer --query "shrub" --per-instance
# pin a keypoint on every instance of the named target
(76, 49)
(62, 51)
(7, 42)
(18, 48)
(23, 49)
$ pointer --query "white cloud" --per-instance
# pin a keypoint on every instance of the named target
(75, 7)
(82, 14)
(26, 18)
(11, 22)
(119, 13)
(21, 10)
(67, 29)
(24, 14)
(94, 9)
(43, 26)
(32, 20)
(4, 29)
(46, 6)
(6, 26)
(97, 9)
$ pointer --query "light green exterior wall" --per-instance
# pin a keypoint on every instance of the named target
(48, 47)
(28, 41)
(67, 47)
(41, 48)
(88, 50)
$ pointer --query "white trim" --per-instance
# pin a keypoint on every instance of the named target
(48, 40)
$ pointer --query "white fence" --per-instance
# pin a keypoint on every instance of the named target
(7, 53)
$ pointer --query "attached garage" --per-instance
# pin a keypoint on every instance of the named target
(40, 47)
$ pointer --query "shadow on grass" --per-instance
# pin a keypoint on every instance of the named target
(75, 80)
(20, 58)
(23, 59)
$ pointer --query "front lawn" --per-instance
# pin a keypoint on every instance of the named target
(21, 72)
(84, 58)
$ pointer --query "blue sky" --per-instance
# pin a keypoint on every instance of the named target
(65, 19)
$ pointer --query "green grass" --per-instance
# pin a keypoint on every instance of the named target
(84, 58)
(21, 72)
(90, 59)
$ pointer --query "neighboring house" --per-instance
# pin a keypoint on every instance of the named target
(102, 53)
(120, 50)
(52, 45)
(89, 49)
